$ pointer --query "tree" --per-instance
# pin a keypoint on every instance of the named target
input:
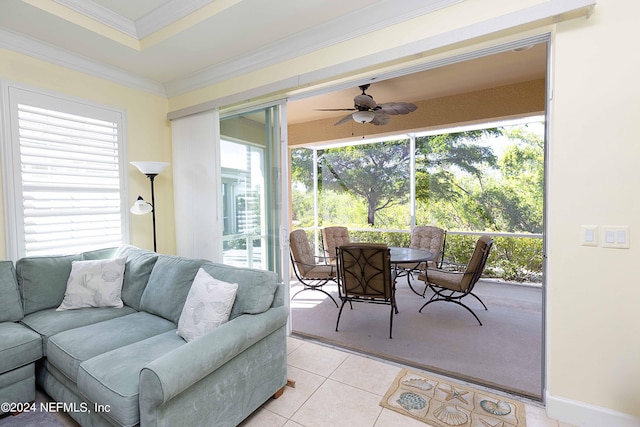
(440, 158)
(379, 173)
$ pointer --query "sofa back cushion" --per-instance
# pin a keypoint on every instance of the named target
(168, 286)
(137, 270)
(10, 304)
(43, 280)
(256, 288)
(97, 254)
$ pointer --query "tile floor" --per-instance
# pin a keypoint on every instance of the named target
(338, 388)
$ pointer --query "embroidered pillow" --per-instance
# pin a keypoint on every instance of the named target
(94, 283)
(208, 306)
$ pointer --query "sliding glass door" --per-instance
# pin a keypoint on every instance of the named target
(250, 178)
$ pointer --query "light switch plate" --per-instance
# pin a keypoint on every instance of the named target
(615, 236)
(589, 235)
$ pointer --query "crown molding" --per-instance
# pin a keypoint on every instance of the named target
(103, 15)
(167, 14)
(36, 49)
(370, 19)
(142, 27)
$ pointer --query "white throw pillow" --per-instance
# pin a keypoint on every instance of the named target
(94, 283)
(208, 306)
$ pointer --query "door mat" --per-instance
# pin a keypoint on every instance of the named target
(444, 404)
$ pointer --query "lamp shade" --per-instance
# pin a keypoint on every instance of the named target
(150, 168)
(140, 207)
(363, 116)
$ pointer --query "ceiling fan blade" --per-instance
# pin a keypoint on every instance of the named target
(381, 118)
(334, 109)
(394, 108)
(364, 102)
(343, 120)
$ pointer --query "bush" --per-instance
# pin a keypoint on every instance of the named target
(515, 259)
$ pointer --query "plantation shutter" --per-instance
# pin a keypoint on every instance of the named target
(69, 179)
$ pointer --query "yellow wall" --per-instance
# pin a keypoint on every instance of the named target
(148, 136)
(594, 171)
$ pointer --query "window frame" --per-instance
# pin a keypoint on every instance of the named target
(14, 94)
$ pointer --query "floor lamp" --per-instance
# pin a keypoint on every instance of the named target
(140, 207)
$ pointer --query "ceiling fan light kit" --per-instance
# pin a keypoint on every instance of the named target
(363, 116)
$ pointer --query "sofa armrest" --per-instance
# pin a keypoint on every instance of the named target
(171, 374)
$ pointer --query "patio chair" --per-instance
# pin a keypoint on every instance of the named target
(452, 286)
(311, 271)
(428, 238)
(332, 237)
(365, 275)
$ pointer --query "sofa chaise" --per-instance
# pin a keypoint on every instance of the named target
(134, 364)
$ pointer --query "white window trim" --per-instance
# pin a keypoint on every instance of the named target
(14, 236)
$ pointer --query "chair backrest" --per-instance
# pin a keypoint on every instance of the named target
(301, 255)
(332, 237)
(430, 239)
(478, 260)
(364, 270)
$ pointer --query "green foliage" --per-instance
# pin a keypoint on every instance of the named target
(375, 173)
(485, 180)
(517, 259)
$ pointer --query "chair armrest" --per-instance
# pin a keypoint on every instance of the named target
(168, 376)
(309, 266)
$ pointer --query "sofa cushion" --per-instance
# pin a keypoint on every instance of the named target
(43, 280)
(50, 322)
(169, 285)
(68, 349)
(19, 346)
(10, 304)
(208, 306)
(104, 253)
(140, 262)
(94, 283)
(18, 385)
(112, 378)
(256, 288)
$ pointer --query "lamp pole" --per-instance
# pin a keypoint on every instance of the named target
(151, 170)
(151, 177)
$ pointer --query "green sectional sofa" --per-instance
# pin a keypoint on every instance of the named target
(128, 365)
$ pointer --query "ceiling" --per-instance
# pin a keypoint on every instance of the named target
(165, 47)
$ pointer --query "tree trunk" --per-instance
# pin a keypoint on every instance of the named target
(371, 214)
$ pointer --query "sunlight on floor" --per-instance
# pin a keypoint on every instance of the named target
(308, 298)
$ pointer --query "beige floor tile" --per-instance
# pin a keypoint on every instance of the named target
(293, 344)
(306, 383)
(366, 374)
(292, 424)
(264, 418)
(335, 404)
(390, 418)
(316, 358)
(537, 417)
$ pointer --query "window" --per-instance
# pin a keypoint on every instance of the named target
(65, 175)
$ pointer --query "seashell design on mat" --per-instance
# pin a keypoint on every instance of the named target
(496, 408)
(450, 415)
(411, 401)
(420, 383)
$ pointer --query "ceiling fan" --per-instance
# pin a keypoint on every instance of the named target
(367, 111)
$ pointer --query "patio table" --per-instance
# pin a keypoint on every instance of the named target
(400, 255)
